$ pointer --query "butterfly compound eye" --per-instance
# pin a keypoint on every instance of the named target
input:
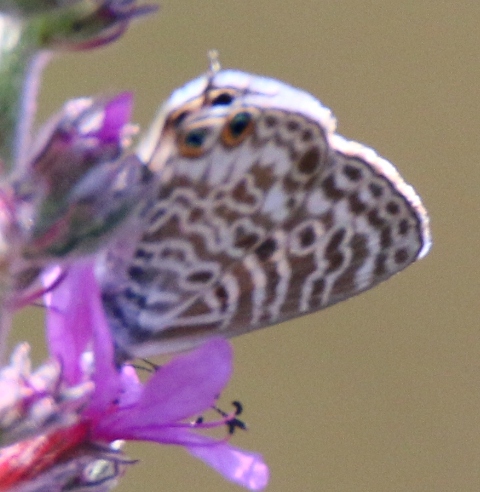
(222, 99)
(238, 127)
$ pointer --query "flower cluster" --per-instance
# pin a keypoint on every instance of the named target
(80, 400)
(62, 425)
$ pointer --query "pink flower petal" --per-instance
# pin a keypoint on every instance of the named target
(186, 386)
(69, 326)
(107, 378)
(117, 114)
(75, 320)
(131, 387)
(190, 383)
(242, 467)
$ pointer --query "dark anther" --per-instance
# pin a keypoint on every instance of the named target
(238, 407)
(235, 423)
(232, 422)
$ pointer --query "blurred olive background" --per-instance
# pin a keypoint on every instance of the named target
(381, 392)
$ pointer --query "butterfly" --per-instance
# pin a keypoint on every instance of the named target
(260, 213)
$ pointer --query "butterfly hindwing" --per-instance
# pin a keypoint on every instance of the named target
(262, 214)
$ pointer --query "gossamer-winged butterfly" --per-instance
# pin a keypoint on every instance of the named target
(261, 213)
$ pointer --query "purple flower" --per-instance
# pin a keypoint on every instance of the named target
(121, 407)
(78, 185)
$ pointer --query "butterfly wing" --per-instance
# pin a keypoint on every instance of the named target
(262, 213)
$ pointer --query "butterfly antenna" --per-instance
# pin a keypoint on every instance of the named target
(214, 62)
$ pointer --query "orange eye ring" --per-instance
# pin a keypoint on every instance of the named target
(238, 127)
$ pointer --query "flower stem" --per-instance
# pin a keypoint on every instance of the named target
(16, 53)
(29, 28)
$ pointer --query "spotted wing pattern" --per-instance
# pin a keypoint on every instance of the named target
(262, 213)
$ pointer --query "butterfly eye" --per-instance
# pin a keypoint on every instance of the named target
(238, 128)
(223, 99)
(192, 143)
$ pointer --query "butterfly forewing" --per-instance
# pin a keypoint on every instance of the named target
(262, 213)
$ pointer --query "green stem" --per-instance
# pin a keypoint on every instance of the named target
(27, 6)
(22, 38)
(16, 54)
